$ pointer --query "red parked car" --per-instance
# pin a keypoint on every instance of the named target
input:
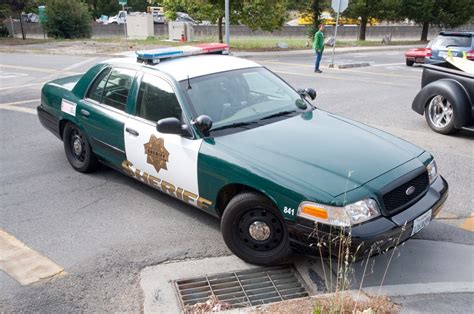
(417, 55)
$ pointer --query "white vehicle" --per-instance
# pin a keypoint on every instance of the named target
(120, 18)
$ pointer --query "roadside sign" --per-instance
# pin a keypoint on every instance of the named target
(339, 5)
(42, 14)
(122, 2)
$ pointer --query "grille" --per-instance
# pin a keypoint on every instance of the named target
(396, 199)
(244, 288)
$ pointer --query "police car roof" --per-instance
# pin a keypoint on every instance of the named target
(193, 66)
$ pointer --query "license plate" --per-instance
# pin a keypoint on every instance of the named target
(421, 222)
(442, 53)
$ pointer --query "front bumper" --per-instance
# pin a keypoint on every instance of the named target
(369, 238)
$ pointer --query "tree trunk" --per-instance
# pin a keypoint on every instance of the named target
(424, 31)
(23, 35)
(315, 13)
(219, 26)
(363, 27)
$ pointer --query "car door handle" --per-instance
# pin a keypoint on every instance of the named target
(85, 113)
(132, 131)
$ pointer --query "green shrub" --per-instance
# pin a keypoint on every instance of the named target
(67, 19)
(3, 30)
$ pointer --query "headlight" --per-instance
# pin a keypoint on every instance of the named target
(346, 216)
(432, 169)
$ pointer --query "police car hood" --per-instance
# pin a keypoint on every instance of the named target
(318, 150)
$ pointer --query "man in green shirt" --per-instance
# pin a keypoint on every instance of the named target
(318, 46)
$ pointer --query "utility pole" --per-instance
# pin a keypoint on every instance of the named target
(227, 22)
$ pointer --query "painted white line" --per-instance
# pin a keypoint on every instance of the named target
(44, 70)
(76, 65)
(9, 75)
(12, 106)
(19, 102)
(387, 64)
(22, 86)
(20, 109)
(24, 264)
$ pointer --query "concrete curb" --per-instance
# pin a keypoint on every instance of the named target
(310, 52)
(421, 288)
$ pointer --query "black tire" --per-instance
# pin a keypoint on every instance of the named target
(246, 210)
(77, 149)
(430, 110)
(410, 62)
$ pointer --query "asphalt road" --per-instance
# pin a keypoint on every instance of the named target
(103, 228)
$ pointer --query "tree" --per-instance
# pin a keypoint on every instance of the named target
(108, 7)
(443, 13)
(365, 10)
(257, 14)
(15, 6)
(67, 19)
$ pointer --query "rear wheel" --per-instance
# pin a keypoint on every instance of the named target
(440, 115)
(254, 230)
(410, 62)
(77, 149)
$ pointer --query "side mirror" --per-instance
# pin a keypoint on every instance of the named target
(311, 93)
(203, 123)
(171, 126)
(307, 92)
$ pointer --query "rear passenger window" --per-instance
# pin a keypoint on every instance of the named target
(117, 88)
(97, 88)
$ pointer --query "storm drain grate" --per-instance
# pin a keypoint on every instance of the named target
(244, 288)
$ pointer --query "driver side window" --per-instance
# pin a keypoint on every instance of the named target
(157, 100)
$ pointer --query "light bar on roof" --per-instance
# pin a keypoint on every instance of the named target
(156, 55)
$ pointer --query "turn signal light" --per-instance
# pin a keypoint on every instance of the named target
(315, 211)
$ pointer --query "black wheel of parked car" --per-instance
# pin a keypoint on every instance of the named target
(439, 114)
(255, 230)
(78, 151)
(410, 62)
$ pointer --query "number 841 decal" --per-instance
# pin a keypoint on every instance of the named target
(289, 211)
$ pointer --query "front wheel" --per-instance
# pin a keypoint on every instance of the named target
(254, 230)
(439, 115)
(77, 149)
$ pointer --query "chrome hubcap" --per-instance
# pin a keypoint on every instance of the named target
(259, 231)
(440, 111)
(77, 146)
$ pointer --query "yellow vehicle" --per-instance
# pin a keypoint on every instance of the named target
(328, 19)
(152, 10)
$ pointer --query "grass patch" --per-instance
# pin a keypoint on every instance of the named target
(334, 303)
(19, 41)
(371, 43)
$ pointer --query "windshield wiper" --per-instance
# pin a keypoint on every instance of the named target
(234, 125)
(278, 114)
(453, 46)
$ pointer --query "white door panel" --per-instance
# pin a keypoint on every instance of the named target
(168, 157)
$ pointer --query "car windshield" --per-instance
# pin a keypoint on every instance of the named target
(234, 98)
(451, 41)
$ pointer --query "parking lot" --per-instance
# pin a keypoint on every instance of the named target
(103, 228)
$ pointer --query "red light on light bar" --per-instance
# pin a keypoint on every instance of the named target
(213, 47)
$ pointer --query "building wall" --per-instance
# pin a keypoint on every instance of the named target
(34, 30)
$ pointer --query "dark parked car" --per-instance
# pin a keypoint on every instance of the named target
(446, 98)
(459, 43)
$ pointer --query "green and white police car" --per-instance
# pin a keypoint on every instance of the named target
(228, 136)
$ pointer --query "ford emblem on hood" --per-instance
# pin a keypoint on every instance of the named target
(410, 190)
